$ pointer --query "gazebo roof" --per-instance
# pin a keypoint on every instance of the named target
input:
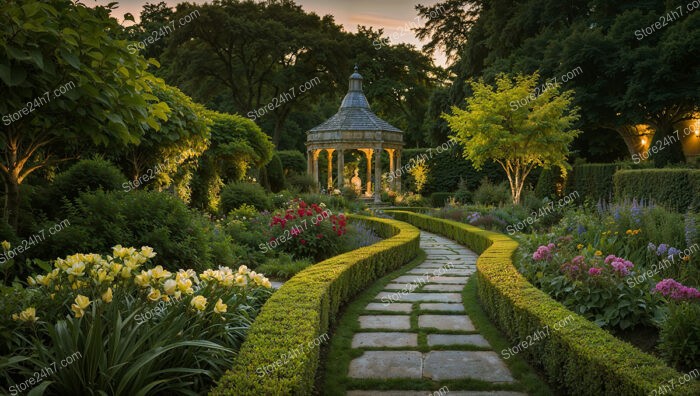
(354, 113)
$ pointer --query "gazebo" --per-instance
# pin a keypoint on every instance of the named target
(356, 127)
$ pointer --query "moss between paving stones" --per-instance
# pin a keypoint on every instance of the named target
(581, 358)
(304, 308)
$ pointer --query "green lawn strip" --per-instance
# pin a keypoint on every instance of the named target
(340, 354)
(528, 378)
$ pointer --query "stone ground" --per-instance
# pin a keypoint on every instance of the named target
(417, 328)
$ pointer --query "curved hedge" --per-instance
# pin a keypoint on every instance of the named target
(581, 358)
(302, 310)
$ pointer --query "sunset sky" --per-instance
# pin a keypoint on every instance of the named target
(388, 14)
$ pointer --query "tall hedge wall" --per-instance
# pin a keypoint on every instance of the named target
(580, 358)
(302, 310)
(592, 181)
(675, 189)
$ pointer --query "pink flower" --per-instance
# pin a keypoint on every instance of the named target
(594, 271)
(676, 291)
(543, 253)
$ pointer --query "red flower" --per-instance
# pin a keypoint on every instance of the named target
(319, 236)
(302, 204)
(303, 241)
(301, 212)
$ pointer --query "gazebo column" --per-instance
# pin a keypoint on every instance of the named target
(398, 166)
(341, 167)
(368, 191)
(377, 174)
(310, 162)
(392, 169)
(315, 170)
(330, 169)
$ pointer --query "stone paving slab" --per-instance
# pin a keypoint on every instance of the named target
(387, 364)
(481, 365)
(448, 279)
(394, 322)
(423, 393)
(395, 307)
(388, 340)
(446, 322)
(443, 288)
(442, 307)
(420, 297)
(458, 339)
(397, 286)
(441, 272)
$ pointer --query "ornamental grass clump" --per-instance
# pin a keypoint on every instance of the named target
(139, 330)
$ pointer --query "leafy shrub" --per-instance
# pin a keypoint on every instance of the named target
(680, 335)
(236, 194)
(275, 174)
(98, 220)
(174, 332)
(349, 193)
(302, 183)
(284, 266)
(675, 189)
(411, 199)
(439, 199)
(307, 230)
(88, 175)
(546, 186)
(293, 161)
(491, 194)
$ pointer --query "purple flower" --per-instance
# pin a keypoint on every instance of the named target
(610, 258)
(578, 260)
(672, 252)
(543, 252)
(594, 271)
(662, 249)
(580, 229)
(651, 247)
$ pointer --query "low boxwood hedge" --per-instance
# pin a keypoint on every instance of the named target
(580, 358)
(302, 310)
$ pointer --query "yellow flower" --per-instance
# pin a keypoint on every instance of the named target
(126, 273)
(267, 283)
(598, 253)
(143, 279)
(77, 269)
(686, 258)
(81, 302)
(579, 246)
(220, 307)
(169, 287)
(199, 303)
(31, 281)
(154, 295)
(242, 270)
(5, 245)
(158, 272)
(241, 280)
(628, 232)
(107, 296)
(28, 315)
(147, 251)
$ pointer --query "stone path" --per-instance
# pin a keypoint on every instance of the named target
(417, 329)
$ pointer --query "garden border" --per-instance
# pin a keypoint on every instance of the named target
(305, 306)
(580, 359)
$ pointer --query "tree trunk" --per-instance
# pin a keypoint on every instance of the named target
(670, 149)
(11, 214)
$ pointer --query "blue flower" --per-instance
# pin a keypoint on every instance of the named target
(672, 252)
(580, 229)
(662, 249)
(651, 247)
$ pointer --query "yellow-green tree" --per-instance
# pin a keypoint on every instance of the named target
(518, 124)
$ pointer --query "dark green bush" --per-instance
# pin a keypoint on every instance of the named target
(275, 174)
(492, 194)
(99, 220)
(675, 189)
(592, 181)
(236, 194)
(680, 335)
(88, 175)
(546, 186)
(292, 161)
(302, 183)
(439, 199)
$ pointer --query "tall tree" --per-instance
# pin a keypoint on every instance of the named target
(65, 78)
(518, 130)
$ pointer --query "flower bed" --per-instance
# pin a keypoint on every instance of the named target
(281, 353)
(581, 358)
